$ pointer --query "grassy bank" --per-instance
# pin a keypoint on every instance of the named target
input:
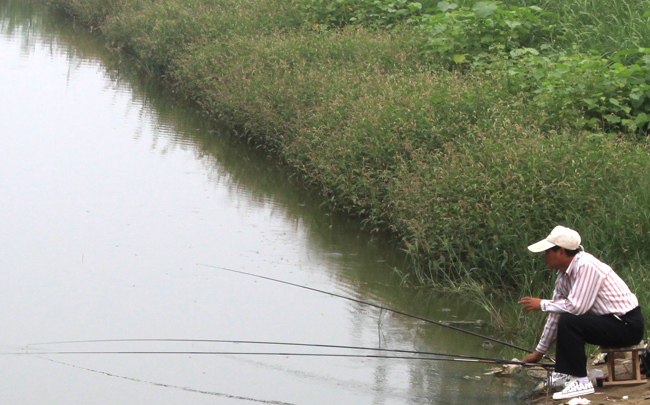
(465, 158)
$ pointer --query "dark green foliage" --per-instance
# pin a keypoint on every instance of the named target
(462, 34)
(586, 91)
(378, 13)
(589, 91)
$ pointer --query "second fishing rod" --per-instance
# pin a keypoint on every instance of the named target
(35, 348)
(443, 324)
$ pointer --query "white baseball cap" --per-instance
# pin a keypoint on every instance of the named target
(560, 236)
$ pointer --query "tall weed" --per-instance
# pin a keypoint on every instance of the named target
(603, 26)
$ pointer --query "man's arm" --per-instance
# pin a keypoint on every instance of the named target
(534, 357)
(550, 329)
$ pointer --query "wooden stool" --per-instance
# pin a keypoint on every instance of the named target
(621, 352)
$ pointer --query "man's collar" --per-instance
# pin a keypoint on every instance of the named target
(573, 263)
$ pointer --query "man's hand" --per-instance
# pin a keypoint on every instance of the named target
(531, 304)
(534, 357)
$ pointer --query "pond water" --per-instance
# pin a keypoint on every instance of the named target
(115, 200)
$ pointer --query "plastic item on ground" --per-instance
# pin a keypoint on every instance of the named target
(557, 380)
(579, 401)
(594, 375)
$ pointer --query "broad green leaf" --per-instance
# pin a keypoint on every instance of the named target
(513, 24)
(445, 5)
(532, 51)
(459, 58)
(641, 119)
(483, 9)
(630, 124)
(626, 52)
(636, 96)
(487, 39)
(612, 118)
(538, 74)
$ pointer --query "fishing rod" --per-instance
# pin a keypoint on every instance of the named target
(458, 356)
(376, 306)
(467, 359)
(251, 342)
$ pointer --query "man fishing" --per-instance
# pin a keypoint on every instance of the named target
(590, 304)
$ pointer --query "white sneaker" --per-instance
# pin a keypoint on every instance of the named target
(574, 389)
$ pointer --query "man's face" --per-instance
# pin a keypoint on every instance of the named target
(554, 259)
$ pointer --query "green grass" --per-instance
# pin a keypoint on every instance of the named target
(463, 165)
(607, 26)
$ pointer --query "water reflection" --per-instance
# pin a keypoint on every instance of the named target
(114, 190)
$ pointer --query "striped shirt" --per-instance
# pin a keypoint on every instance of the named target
(588, 286)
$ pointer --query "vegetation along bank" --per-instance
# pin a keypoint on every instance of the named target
(467, 130)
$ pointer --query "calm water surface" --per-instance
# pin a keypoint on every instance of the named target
(113, 195)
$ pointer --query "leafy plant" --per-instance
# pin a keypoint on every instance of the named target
(461, 34)
(323, 14)
(589, 90)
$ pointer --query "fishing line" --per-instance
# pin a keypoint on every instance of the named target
(376, 306)
(458, 356)
(213, 393)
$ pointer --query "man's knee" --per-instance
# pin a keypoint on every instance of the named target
(574, 325)
(565, 320)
